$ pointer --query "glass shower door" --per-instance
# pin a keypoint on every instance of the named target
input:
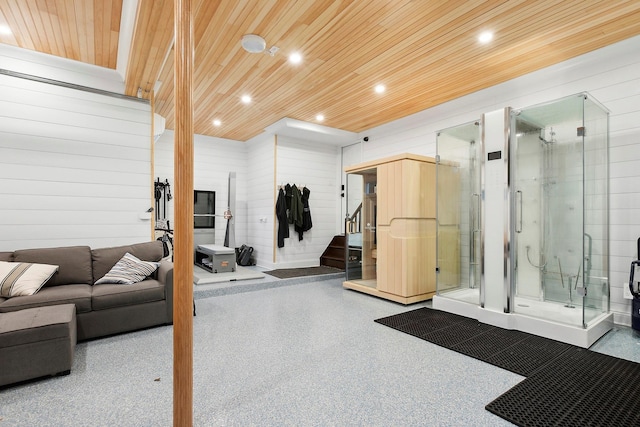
(596, 200)
(558, 230)
(458, 196)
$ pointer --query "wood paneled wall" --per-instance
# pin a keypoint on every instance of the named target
(74, 167)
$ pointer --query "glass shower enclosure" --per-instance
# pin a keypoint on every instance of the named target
(559, 210)
(458, 194)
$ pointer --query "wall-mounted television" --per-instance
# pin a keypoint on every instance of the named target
(204, 203)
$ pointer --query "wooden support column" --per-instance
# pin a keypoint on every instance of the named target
(274, 248)
(183, 222)
(153, 166)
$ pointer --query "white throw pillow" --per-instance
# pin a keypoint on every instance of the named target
(23, 278)
(128, 270)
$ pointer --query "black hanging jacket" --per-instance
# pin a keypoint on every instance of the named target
(295, 214)
(306, 214)
(281, 214)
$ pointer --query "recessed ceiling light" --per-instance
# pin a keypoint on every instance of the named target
(295, 58)
(5, 30)
(320, 117)
(380, 88)
(246, 99)
(485, 37)
(217, 123)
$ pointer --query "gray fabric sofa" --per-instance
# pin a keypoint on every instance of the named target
(104, 309)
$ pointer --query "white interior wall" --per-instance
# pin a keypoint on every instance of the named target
(213, 159)
(311, 165)
(60, 69)
(609, 74)
(261, 198)
(74, 167)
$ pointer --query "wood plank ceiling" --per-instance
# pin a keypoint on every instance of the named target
(83, 30)
(424, 52)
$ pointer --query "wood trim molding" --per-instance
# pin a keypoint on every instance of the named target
(275, 198)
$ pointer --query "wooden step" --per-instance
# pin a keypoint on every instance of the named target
(334, 254)
(332, 263)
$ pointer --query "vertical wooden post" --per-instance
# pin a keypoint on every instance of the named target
(153, 165)
(274, 247)
(183, 222)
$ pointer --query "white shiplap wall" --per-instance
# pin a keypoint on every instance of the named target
(312, 165)
(612, 76)
(74, 167)
(213, 160)
(261, 201)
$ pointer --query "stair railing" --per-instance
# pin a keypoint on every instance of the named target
(353, 223)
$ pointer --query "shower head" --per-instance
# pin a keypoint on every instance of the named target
(552, 135)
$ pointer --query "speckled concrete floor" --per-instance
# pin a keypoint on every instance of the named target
(298, 355)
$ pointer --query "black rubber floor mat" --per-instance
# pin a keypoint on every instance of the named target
(516, 351)
(528, 355)
(579, 388)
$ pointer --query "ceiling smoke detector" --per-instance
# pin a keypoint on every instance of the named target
(253, 43)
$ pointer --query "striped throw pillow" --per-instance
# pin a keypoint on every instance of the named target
(23, 278)
(128, 270)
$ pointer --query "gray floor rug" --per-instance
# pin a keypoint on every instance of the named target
(287, 273)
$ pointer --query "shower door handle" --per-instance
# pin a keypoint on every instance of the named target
(476, 225)
(474, 229)
(473, 222)
(519, 211)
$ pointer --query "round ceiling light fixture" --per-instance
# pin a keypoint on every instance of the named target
(485, 37)
(253, 43)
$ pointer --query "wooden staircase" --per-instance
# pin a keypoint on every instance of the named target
(334, 255)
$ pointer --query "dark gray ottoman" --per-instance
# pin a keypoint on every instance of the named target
(37, 342)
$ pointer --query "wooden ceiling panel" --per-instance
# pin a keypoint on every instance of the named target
(82, 30)
(425, 52)
(152, 39)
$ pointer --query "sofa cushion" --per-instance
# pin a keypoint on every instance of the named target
(6, 256)
(80, 295)
(129, 270)
(105, 258)
(23, 278)
(112, 295)
(74, 263)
